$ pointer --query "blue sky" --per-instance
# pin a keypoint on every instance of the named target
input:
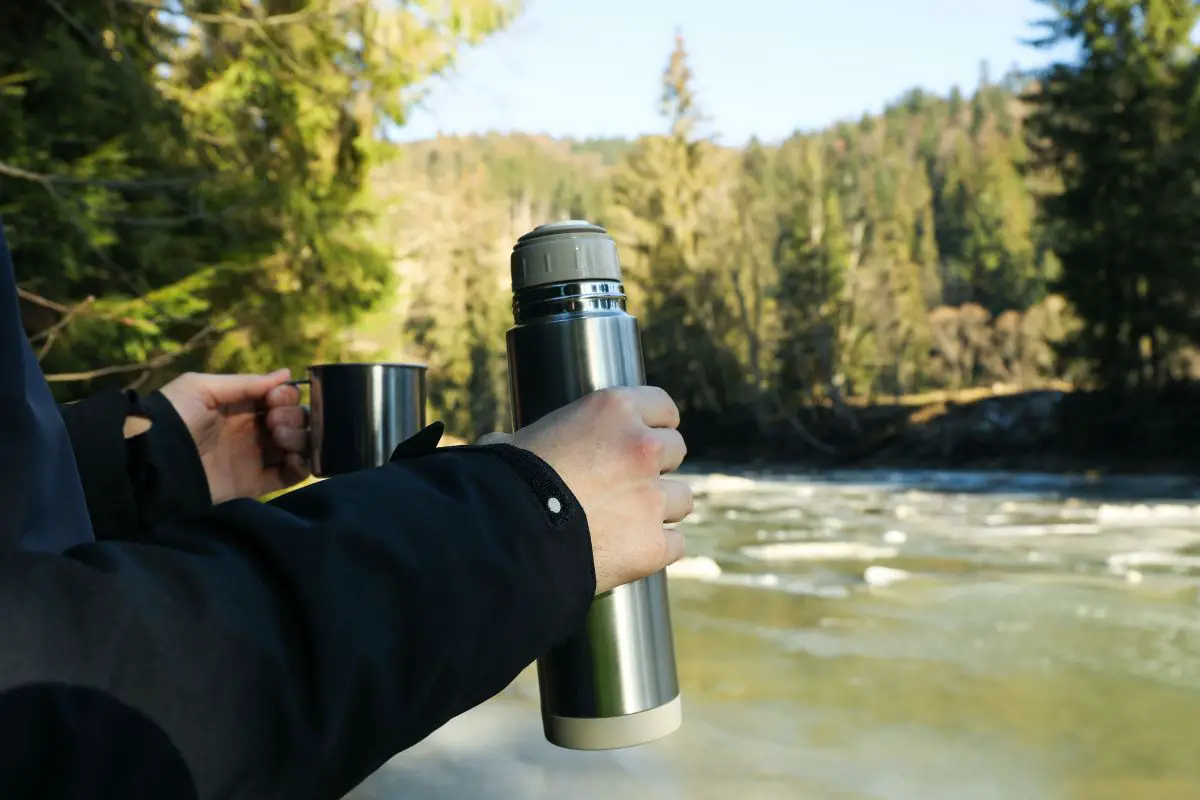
(762, 67)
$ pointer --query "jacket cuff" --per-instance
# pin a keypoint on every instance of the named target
(168, 473)
(555, 506)
(132, 485)
(557, 503)
(96, 429)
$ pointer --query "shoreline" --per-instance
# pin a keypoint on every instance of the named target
(1049, 465)
(1049, 431)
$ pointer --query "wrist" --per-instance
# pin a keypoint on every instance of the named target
(558, 508)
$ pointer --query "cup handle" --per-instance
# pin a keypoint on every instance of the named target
(307, 454)
(307, 416)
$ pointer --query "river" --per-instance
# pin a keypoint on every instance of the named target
(894, 636)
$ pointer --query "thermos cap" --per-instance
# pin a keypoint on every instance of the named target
(559, 252)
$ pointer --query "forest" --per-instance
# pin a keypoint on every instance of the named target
(211, 185)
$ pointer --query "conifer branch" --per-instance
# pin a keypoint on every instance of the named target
(272, 20)
(159, 361)
(61, 180)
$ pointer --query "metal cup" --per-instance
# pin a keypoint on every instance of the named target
(359, 413)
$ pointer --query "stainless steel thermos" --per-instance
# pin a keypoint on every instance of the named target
(614, 683)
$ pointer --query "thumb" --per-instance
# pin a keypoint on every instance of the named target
(237, 388)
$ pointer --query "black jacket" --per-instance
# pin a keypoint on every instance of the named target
(132, 485)
(270, 650)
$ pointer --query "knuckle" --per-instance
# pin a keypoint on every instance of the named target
(659, 493)
(655, 501)
(614, 400)
(648, 501)
(648, 448)
(659, 553)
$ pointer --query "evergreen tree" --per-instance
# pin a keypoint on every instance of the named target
(751, 267)
(226, 184)
(1118, 130)
(659, 194)
(202, 170)
(97, 192)
(816, 306)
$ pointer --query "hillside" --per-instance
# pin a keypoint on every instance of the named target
(894, 254)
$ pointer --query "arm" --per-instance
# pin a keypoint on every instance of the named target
(134, 476)
(286, 650)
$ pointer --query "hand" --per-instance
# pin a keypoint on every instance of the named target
(611, 448)
(245, 452)
(497, 437)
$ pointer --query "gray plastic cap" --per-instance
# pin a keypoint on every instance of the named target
(558, 252)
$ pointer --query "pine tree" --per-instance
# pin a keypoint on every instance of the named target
(659, 193)
(751, 271)
(1118, 127)
(815, 298)
(203, 171)
(97, 192)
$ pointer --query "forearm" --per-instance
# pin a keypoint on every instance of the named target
(288, 649)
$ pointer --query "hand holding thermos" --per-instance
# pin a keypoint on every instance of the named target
(617, 479)
(580, 403)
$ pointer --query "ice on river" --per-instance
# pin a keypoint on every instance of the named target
(893, 635)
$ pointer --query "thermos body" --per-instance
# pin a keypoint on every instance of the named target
(625, 661)
(614, 684)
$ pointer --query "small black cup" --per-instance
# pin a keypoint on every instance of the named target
(360, 412)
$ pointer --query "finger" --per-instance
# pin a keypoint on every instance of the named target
(294, 469)
(226, 389)
(283, 395)
(671, 448)
(657, 408)
(675, 546)
(287, 417)
(678, 500)
(496, 437)
(290, 440)
(284, 472)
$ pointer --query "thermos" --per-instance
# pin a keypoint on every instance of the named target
(614, 683)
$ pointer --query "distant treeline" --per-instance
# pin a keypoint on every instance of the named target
(1035, 230)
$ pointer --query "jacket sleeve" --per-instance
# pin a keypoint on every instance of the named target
(288, 649)
(131, 485)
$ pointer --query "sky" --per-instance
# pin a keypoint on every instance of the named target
(765, 68)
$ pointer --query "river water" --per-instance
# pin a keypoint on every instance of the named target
(894, 636)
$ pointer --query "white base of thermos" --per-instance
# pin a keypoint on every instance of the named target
(612, 733)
